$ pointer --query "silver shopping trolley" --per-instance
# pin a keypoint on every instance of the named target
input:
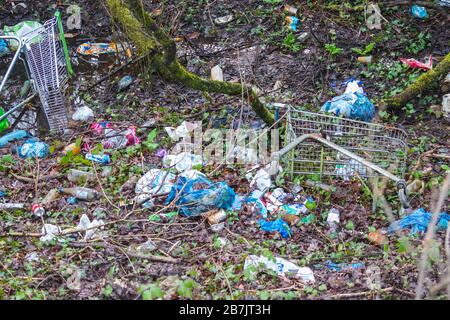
(325, 145)
(47, 63)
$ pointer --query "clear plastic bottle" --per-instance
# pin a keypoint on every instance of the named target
(75, 175)
(81, 193)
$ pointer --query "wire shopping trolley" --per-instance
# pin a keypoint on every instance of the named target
(48, 66)
(325, 145)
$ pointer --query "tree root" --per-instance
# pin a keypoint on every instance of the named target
(141, 29)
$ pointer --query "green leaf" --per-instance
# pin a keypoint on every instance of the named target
(350, 225)
(152, 292)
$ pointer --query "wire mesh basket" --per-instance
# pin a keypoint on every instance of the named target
(47, 63)
(381, 145)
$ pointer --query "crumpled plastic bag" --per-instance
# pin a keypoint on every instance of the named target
(33, 148)
(413, 63)
(278, 225)
(26, 30)
(198, 195)
(155, 181)
(3, 48)
(84, 114)
(346, 171)
(281, 266)
(419, 12)
(353, 104)
(50, 231)
(182, 161)
(182, 131)
(418, 221)
(86, 223)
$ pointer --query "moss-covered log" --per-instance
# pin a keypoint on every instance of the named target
(141, 29)
(424, 83)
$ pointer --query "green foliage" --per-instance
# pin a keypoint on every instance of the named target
(150, 142)
(333, 50)
(290, 43)
(367, 50)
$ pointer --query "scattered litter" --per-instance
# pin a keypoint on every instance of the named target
(418, 221)
(84, 114)
(81, 193)
(217, 227)
(413, 63)
(13, 136)
(377, 237)
(161, 153)
(197, 195)
(342, 266)
(49, 231)
(2, 194)
(100, 127)
(415, 186)
(75, 175)
(419, 12)
(365, 59)
(292, 22)
(32, 257)
(290, 9)
(26, 87)
(144, 248)
(74, 281)
(281, 266)
(348, 170)
(303, 37)
(446, 104)
(124, 83)
(352, 104)
(72, 200)
(216, 216)
(155, 181)
(117, 140)
(277, 225)
(262, 180)
(182, 161)
(4, 124)
(93, 232)
(51, 196)
(333, 218)
(11, 206)
(444, 3)
(37, 210)
(217, 73)
(3, 48)
(224, 19)
(96, 49)
(73, 148)
(26, 30)
(103, 158)
(181, 131)
(33, 148)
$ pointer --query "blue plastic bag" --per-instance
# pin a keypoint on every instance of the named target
(277, 225)
(33, 148)
(3, 47)
(354, 106)
(418, 221)
(419, 12)
(199, 195)
(12, 136)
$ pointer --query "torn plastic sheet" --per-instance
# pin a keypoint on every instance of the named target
(418, 221)
(281, 266)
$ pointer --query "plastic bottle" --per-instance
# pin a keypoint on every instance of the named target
(103, 159)
(75, 175)
(4, 124)
(81, 193)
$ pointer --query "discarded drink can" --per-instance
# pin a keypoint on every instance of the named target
(290, 9)
(37, 210)
(103, 159)
(216, 217)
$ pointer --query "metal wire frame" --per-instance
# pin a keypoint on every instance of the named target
(381, 145)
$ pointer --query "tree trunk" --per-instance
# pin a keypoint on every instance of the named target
(146, 35)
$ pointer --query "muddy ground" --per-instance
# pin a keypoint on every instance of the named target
(255, 47)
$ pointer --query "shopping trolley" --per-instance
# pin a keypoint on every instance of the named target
(326, 145)
(47, 64)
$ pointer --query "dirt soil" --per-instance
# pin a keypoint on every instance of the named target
(256, 48)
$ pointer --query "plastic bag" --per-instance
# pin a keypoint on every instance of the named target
(33, 148)
(96, 49)
(413, 63)
(276, 226)
(3, 48)
(83, 113)
(419, 12)
(182, 161)
(281, 266)
(27, 30)
(198, 194)
(156, 181)
(418, 221)
(353, 104)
